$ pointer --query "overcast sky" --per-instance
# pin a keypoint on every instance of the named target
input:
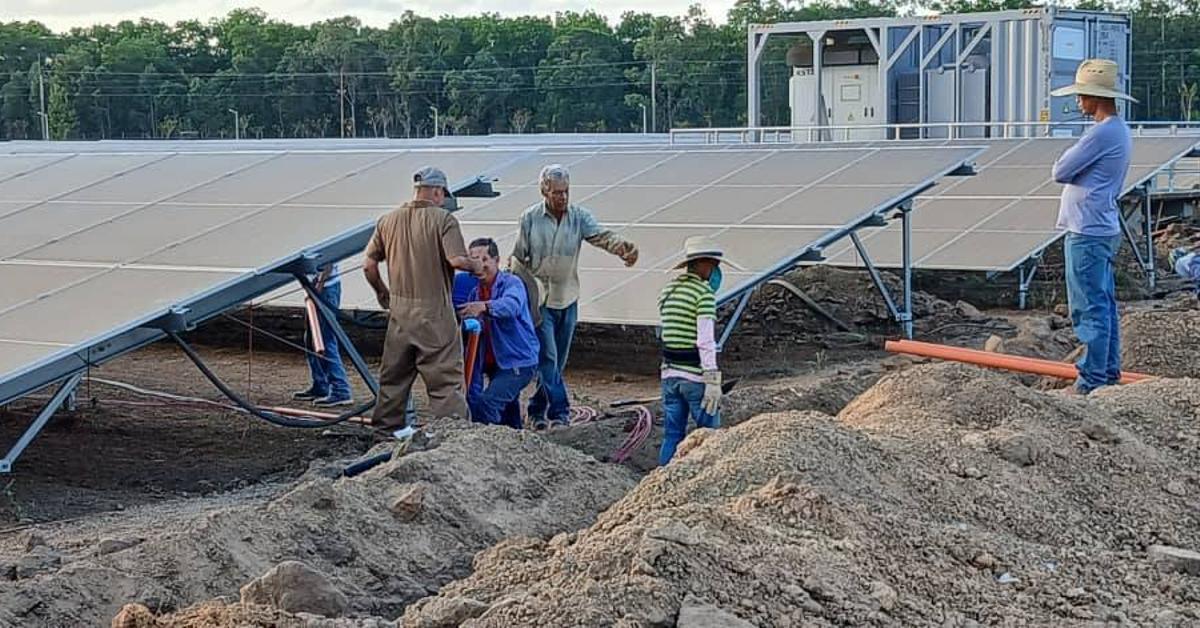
(63, 14)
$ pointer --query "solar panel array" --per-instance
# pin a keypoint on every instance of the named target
(1004, 214)
(765, 207)
(96, 244)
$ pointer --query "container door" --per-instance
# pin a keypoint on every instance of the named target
(854, 101)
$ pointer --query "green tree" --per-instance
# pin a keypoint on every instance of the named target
(61, 113)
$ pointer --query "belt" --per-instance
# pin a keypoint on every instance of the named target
(682, 357)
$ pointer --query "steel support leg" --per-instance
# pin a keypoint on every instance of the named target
(875, 277)
(1027, 271)
(360, 364)
(330, 316)
(43, 417)
(1148, 229)
(1145, 259)
(906, 317)
(735, 319)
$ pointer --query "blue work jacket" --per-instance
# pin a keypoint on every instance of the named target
(509, 323)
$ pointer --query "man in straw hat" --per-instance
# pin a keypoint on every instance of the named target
(691, 382)
(422, 245)
(1093, 176)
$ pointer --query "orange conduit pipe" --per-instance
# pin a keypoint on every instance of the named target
(996, 360)
(314, 326)
(472, 352)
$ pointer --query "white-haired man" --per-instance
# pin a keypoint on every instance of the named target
(551, 233)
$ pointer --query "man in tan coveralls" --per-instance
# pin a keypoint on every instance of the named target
(422, 245)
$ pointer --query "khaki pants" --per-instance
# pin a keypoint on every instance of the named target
(421, 340)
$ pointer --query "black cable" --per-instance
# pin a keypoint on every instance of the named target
(365, 319)
(270, 417)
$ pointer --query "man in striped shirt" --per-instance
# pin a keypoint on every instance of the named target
(691, 382)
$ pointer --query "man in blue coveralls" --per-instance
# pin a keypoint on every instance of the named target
(1093, 176)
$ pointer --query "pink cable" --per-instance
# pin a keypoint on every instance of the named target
(583, 414)
(638, 435)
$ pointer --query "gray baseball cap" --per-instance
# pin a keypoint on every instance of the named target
(431, 177)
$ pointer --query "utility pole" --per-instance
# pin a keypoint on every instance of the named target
(643, 106)
(42, 102)
(237, 124)
(342, 99)
(654, 95)
(435, 119)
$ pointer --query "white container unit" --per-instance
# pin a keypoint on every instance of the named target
(966, 75)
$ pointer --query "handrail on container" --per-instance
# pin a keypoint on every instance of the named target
(1007, 130)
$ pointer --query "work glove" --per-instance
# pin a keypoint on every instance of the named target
(712, 392)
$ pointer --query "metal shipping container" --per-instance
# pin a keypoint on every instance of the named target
(985, 74)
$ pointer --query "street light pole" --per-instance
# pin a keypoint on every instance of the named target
(654, 94)
(237, 124)
(435, 119)
(42, 102)
(643, 105)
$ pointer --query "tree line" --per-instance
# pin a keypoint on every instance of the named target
(573, 72)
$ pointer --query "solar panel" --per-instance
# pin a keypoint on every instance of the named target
(1004, 214)
(765, 206)
(96, 245)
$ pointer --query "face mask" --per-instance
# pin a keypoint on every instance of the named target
(714, 279)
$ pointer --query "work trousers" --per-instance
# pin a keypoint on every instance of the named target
(554, 335)
(421, 339)
(1092, 297)
(499, 403)
(682, 399)
(328, 373)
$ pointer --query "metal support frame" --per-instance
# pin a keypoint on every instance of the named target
(329, 315)
(1146, 259)
(902, 317)
(906, 316)
(65, 390)
(1148, 232)
(1026, 272)
(733, 321)
(755, 44)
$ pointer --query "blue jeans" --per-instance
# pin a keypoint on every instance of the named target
(681, 398)
(1092, 296)
(500, 402)
(554, 335)
(328, 373)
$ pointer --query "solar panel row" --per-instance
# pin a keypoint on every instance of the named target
(763, 206)
(97, 244)
(996, 219)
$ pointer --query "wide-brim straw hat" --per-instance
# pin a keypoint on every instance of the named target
(700, 247)
(1095, 77)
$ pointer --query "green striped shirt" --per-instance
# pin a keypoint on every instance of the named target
(682, 302)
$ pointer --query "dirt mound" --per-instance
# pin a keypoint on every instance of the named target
(216, 614)
(1162, 342)
(1164, 413)
(386, 538)
(944, 496)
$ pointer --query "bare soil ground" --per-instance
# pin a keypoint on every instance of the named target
(852, 488)
(945, 495)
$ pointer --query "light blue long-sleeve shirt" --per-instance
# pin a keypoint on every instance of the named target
(1093, 176)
